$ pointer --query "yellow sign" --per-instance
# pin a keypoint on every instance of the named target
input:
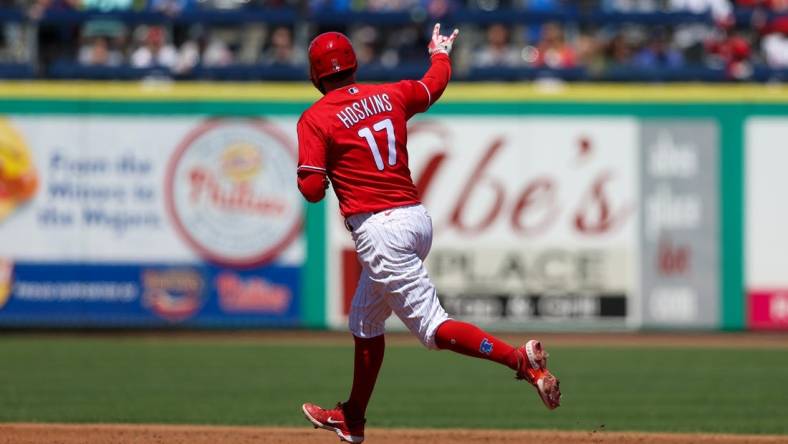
(18, 177)
(6, 271)
(457, 92)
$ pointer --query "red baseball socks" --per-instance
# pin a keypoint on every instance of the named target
(470, 340)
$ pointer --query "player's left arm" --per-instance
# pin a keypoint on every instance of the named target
(421, 94)
(312, 174)
(437, 77)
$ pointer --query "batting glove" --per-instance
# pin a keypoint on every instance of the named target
(441, 44)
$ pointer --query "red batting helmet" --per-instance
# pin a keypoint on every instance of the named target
(330, 53)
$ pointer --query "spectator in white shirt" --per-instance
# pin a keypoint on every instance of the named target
(498, 51)
(721, 10)
(155, 51)
(775, 49)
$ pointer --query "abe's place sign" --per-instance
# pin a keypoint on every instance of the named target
(535, 218)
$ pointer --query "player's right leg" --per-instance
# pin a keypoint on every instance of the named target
(336, 421)
(368, 314)
(367, 322)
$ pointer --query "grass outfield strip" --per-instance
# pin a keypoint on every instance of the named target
(220, 382)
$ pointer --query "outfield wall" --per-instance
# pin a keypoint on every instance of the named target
(586, 207)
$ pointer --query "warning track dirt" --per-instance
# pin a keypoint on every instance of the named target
(183, 434)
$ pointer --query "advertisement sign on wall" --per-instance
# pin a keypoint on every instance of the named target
(767, 219)
(679, 232)
(540, 221)
(136, 221)
(535, 220)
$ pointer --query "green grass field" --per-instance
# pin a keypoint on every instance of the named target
(204, 381)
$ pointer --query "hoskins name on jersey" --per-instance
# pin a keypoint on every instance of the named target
(363, 108)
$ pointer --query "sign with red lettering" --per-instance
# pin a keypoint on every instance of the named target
(765, 224)
(679, 232)
(767, 309)
(535, 219)
(229, 191)
(130, 221)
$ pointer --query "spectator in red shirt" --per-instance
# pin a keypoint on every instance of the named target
(734, 51)
(553, 50)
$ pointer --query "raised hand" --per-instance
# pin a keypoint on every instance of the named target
(441, 44)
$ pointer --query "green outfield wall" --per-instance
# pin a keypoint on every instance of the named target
(555, 207)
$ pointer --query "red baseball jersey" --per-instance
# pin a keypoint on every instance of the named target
(357, 135)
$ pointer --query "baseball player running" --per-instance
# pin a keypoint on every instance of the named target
(355, 137)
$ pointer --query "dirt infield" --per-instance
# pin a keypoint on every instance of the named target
(166, 434)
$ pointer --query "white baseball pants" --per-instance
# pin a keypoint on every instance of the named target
(391, 246)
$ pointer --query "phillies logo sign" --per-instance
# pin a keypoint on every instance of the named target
(231, 194)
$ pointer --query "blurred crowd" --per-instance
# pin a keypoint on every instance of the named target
(597, 47)
(181, 49)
